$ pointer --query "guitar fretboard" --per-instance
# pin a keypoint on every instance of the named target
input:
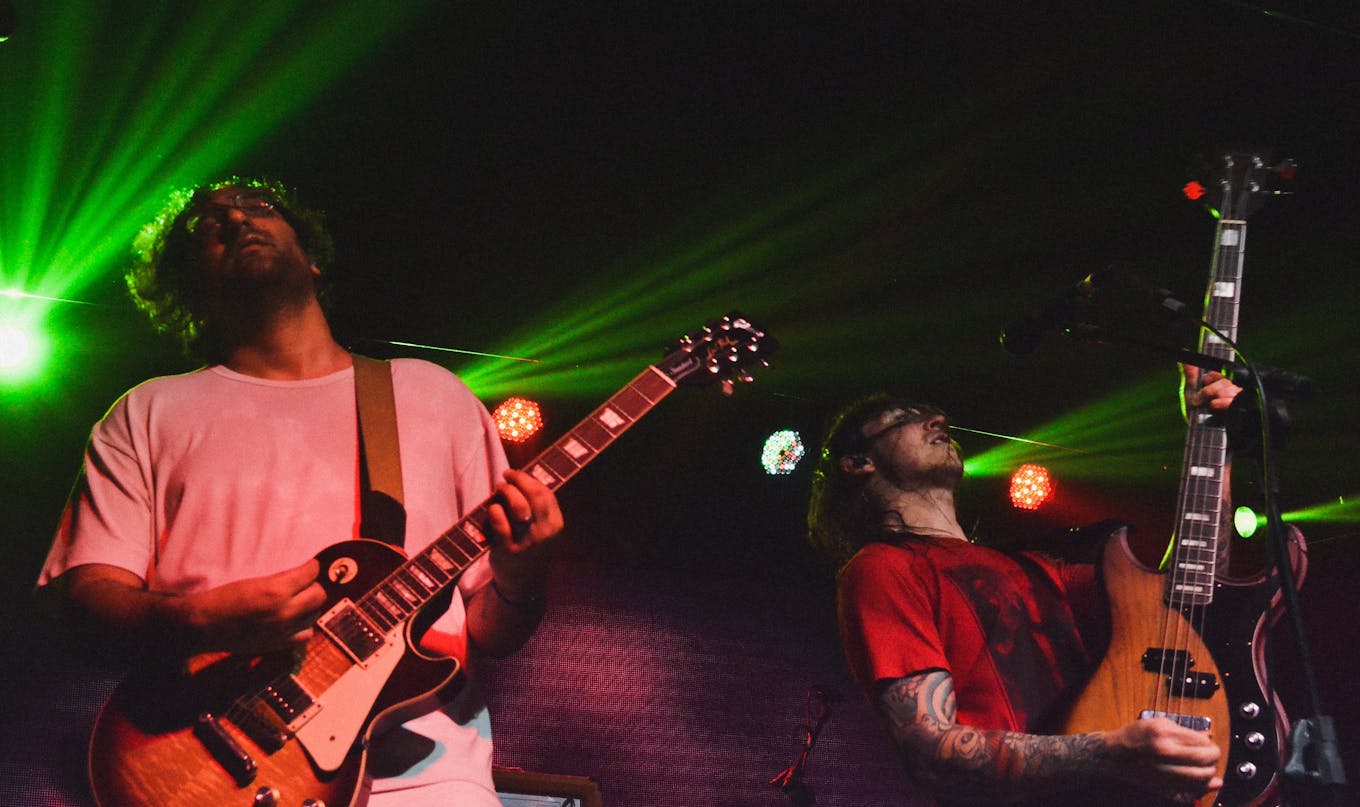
(427, 573)
(1199, 516)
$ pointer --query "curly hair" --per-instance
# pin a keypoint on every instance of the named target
(840, 519)
(165, 280)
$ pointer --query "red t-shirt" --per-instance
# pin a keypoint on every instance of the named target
(1001, 625)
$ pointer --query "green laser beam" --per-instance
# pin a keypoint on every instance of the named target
(107, 111)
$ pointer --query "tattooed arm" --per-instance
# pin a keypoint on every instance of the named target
(998, 767)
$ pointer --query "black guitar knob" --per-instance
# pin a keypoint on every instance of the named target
(267, 797)
(1249, 710)
(1255, 740)
(1246, 770)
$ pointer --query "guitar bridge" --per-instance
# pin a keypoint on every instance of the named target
(225, 749)
(1194, 722)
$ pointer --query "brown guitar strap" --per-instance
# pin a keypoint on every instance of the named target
(382, 515)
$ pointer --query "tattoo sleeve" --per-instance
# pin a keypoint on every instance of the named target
(970, 763)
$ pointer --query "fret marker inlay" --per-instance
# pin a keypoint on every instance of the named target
(610, 418)
(543, 475)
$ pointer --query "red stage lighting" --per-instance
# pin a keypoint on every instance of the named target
(1031, 486)
(517, 419)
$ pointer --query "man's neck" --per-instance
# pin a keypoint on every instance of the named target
(924, 511)
(290, 345)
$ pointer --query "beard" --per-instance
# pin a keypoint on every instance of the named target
(946, 474)
(942, 473)
(252, 288)
(265, 280)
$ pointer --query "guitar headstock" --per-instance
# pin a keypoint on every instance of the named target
(723, 351)
(1240, 184)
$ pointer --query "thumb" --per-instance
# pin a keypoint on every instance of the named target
(300, 577)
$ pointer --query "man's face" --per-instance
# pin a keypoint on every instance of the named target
(245, 243)
(911, 446)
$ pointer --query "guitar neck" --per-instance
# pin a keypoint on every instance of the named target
(1199, 547)
(419, 579)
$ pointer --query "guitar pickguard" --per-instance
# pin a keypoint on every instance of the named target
(329, 728)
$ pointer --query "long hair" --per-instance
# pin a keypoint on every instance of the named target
(840, 518)
(165, 279)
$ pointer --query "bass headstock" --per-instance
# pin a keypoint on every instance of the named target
(1240, 184)
(722, 352)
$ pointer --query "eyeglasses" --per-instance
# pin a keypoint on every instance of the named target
(210, 216)
(918, 413)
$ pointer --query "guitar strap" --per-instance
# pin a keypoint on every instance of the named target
(382, 514)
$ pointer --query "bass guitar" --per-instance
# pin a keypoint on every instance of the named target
(1189, 643)
(292, 729)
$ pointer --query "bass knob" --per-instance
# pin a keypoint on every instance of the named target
(1246, 770)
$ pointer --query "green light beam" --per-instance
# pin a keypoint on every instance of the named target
(953, 428)
(1345, 510)
(108, 111)
(15, 294)
(451, 350)
(1123, 435)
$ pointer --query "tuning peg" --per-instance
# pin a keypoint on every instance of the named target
(727, 386)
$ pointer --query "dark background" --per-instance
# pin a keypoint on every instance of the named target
(934, 172)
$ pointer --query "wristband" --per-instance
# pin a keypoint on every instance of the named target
(533, 599)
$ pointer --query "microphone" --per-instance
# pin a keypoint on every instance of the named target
(1022, 337)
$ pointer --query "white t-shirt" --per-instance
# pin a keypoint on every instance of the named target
(197, 480)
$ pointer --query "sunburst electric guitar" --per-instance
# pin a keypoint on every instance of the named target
(1189, 643)
(292, 729)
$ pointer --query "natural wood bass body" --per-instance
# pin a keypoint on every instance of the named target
(1246, 720)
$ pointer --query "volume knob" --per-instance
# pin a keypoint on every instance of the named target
(1246, 770)
(1249, 710)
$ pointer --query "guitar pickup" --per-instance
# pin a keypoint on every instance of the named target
(1159, 659)
(1192, 685)
(225, 749)
(356, 635)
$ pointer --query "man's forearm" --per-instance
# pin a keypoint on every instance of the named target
(969, 763)
(499, 622)
(113, 621)
(998, 767)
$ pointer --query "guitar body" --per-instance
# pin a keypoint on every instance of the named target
(147, 748)
(1246, 720)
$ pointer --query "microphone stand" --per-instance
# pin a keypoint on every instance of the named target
(1314, 772)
